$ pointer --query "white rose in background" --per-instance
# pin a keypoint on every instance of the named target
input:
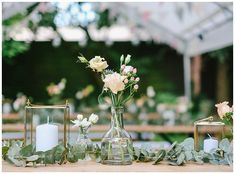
(98, 64)
(93, 118)
(223, 108)
(114, 82)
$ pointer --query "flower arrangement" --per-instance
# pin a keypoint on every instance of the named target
(121, 85)
(225, 112)
(83, 123)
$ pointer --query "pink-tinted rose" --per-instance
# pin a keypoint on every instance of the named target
(222, 109)
(114, 82)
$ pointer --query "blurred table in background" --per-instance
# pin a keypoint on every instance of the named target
(15, 130)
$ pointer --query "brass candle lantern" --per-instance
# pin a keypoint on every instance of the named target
(207, 123)
(46, 126)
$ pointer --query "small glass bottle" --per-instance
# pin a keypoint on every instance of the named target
(116, 145)
(84, 143)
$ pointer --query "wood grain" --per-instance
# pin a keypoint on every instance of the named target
(91, 166)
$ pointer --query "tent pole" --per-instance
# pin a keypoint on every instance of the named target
(187, 75)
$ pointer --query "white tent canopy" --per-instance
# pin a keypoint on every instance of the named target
(192, 28)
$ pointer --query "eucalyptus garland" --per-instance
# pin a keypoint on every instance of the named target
(177, 154)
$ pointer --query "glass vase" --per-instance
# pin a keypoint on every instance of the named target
(116, 145)
(84, 144)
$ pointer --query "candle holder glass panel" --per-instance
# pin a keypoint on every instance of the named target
(207, 127)
(46, 126)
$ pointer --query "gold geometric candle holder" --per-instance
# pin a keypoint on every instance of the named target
(45, 126)
(207, 123)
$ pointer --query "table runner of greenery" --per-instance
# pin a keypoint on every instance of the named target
(177, 154)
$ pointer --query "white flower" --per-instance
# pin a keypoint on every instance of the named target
(77, 123)
(80, 117)
(136, 87)
(222, 109)
(93, 118)
(137, 79)
(114, 82)
(85, 123)
(132, 78)
(98, 64)
(126, 81)
(127, 69)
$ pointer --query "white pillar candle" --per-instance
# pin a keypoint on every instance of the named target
(209, 144)
(46, 137)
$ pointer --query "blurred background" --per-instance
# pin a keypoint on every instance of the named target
(183, 53)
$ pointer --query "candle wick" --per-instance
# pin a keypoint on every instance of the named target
(209, 136)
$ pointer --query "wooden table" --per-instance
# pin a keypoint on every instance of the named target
(91, 166)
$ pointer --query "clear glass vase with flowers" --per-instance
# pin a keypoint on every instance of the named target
(83, 142)
(120, 86)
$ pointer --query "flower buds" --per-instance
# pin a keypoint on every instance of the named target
(128, 59)
(136, 87)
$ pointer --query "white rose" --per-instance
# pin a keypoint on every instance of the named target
(127, 69)
(93, 118)
(114, 82)
(98, 64)
(222, 109)
(85, 123)
(80, 117)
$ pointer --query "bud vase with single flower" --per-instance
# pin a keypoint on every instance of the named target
(116, 145)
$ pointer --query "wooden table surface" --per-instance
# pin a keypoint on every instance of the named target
(91, 166)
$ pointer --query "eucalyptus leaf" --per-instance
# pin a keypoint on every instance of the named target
(27, 151)
(4, 151)
(18, 163)
(188, 155)
(14, 150)
(32, 158)
(159, 156)
(224, 145)
(181, 159)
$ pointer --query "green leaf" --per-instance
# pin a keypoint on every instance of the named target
(32, 158)
(4, 151)
(224, 144)
(16, 162)
(181, 159)
(13, 151)
(188, 155)
(58, 152)
(27, 151)
(159, 156)
(188, 144)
